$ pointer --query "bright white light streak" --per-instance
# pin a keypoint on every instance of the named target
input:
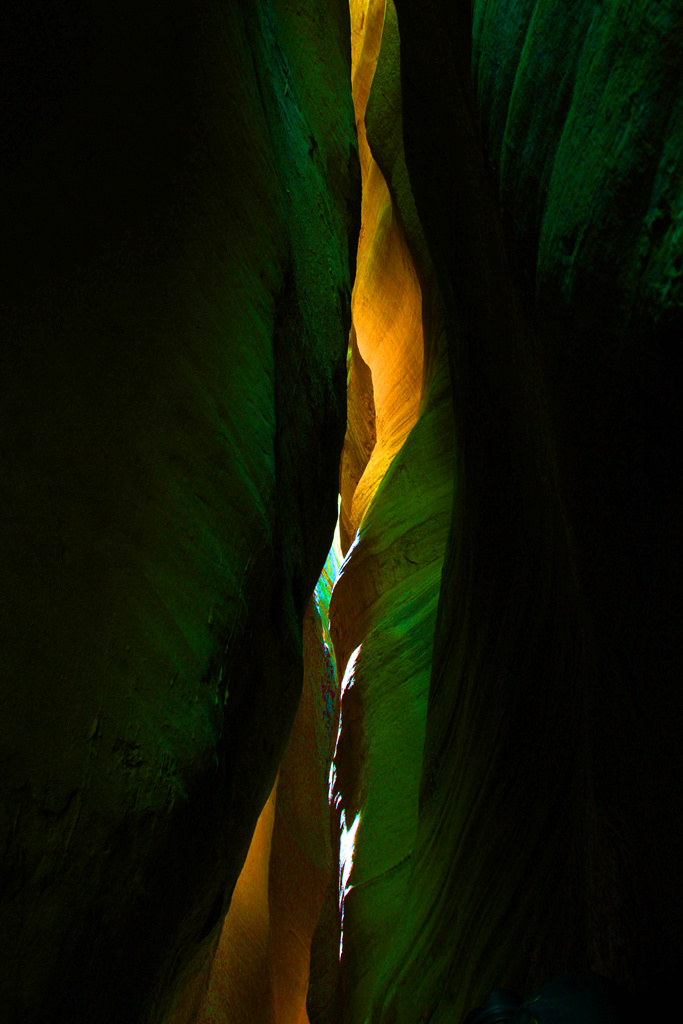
(346, 682)
(350, 668)
(354, 543)
(347, 843)
(347, 837)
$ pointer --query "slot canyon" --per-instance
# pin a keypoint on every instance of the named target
(342, 581)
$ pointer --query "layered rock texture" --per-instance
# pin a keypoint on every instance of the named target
(496, 697)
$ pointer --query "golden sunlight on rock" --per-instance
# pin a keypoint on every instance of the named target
(238, 989)
(260, 972)
(361, 433)
(394, 524)
(302, 861)
(386, 306)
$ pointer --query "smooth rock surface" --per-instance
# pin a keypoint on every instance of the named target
(383, 608)
(386, 306)
(384, 611)
(181, 213)
(260, 973)
(551, 762)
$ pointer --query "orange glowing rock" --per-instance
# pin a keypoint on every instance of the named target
(367, 18)
(261, 968)
(238, 992)
(383, 607)
(386, 303)
(301, 860)
(361, 435)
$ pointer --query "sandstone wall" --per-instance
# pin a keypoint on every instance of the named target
(383, 607)
(507, 789)
(543, 146)
(181, 222)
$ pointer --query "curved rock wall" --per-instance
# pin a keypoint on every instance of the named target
(386, 345)
(548, 191)
(260, 972)
(383, 607)
(181, 211)
(383, 612)
(508, 772)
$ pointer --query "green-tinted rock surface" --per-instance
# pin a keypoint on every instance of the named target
(543, 146)
(180, 200)
(384, 607)
(179, 194)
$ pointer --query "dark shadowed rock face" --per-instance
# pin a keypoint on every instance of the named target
(180, 223)
(543, 142)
